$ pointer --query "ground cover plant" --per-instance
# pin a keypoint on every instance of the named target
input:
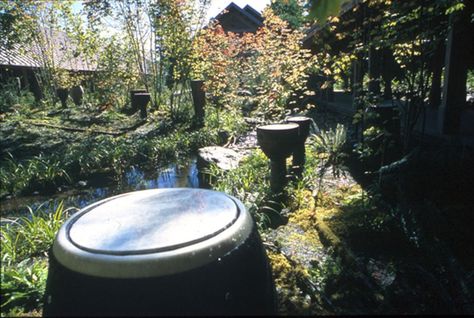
(310, 276)
(25, 242)
(91, 153)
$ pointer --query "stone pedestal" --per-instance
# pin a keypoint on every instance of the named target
(133, 99)
(299, 155)
(62, 94)
(277, 142)
(77, 93)
(141, 100)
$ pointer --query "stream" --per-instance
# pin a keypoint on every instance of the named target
(184, 175)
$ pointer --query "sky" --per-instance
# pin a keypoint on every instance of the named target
(216, 6)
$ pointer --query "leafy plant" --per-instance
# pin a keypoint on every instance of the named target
(290, 11)
(270, 66)
(10, 96)
(23, 285)
(118, 74)
(331, 145)
(37, 172)
(31, 236)
(248, 182)
(231, 121)
(327, 269)
(25, 242)
(320, 10)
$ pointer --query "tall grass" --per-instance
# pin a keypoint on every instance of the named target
(249, 183)
(37, 172)
(25, 242)
(98, 154)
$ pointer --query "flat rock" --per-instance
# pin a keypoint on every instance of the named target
(247, 141)
(224, 158)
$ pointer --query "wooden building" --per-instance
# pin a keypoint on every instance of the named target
(239, 20)
(445, 113)
(23, 62)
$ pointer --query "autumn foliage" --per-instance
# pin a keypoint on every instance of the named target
(260, 72)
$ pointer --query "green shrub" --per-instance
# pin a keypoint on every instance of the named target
(23, 285)
(10, 96)
(24, 245)
(37, 172)
(230, 120)
(249, 183)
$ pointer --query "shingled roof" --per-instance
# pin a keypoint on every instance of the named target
(238, 20)
(29, 55)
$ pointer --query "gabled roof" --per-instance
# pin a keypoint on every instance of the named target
(238, 20)
(253, 12)
(29, 54)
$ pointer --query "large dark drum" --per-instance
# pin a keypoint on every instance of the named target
(160, 252)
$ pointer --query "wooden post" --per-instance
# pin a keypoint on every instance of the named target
(134, 104)
(457, 59)
(374, 71)
(199, 101)
(357, 65)
(358, 75)
(436, 70)
(330, 89)
(387, 72)
(345, 81)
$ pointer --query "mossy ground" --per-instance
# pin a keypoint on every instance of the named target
(368, 262)
(312, 277)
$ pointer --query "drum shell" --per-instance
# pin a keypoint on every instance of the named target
(238, 283)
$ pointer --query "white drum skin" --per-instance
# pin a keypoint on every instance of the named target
(148, 262)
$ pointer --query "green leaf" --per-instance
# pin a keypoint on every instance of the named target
(454, 8)
(321, 9)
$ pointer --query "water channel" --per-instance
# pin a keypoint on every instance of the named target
(174, 175)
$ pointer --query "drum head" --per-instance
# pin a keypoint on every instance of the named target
(160, 227)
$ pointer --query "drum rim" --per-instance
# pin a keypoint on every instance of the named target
(155, 263)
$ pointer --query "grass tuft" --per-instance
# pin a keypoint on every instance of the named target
(25, 242)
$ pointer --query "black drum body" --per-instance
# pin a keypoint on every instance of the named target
(233, 279)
